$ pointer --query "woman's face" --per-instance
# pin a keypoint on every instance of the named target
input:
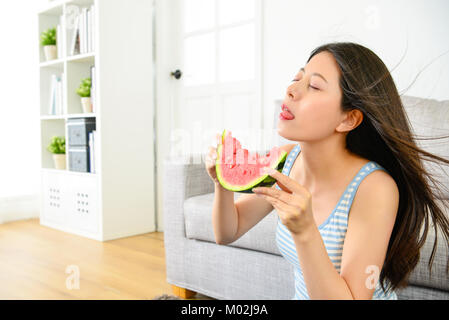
(312, 104)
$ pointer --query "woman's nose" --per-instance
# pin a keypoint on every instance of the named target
(294, 90)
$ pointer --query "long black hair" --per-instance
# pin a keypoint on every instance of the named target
(385, 136)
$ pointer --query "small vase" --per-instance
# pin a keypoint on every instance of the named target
(87, 104)
(51, 52)
(59, 160)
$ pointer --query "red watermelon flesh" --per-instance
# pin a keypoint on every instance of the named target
(240, 170)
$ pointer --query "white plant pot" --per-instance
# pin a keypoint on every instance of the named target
(50, 52)
(59, 160)
(86, 102)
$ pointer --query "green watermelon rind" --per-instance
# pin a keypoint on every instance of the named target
(262, 181)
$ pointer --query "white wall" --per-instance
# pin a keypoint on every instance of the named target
(292, 29)
(19, 121)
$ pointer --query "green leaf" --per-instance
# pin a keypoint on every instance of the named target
(57, 145)
(48, 37)
(84, 89)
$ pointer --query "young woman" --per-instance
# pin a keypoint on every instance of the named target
(353, 196)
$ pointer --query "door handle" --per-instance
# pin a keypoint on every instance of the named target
(177, 74)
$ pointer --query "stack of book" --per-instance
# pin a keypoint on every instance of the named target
(56, 95)
(92, 140)
(82, 37)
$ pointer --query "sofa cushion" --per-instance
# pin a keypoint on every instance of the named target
(198, 223)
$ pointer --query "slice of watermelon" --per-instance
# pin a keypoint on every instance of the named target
(239, 170)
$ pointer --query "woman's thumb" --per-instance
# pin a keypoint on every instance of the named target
(218, 137)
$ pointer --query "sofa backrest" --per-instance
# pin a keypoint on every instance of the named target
(430, 119)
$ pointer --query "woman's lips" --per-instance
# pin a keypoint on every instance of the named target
(285, 114)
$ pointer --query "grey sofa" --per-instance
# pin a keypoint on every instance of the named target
(252, 267)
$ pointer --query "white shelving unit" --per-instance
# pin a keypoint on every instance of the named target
(118, 199)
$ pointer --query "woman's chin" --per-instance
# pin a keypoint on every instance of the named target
(286, 133)
(282, 132)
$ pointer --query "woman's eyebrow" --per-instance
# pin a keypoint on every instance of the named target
(315, 74)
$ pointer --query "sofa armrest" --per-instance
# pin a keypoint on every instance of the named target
(187, 177)
(182, 179)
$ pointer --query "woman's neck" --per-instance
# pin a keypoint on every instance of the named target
(324, 162)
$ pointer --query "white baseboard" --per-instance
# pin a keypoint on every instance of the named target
(19, 208)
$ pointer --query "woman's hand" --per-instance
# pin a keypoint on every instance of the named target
(293, 203)
(211, 160)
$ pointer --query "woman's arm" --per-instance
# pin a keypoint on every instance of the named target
(230, 220)
(370, 224)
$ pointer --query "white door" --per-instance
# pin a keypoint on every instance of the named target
(218, 51)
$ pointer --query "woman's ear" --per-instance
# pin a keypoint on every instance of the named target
(351, 121)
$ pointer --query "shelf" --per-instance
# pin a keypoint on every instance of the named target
(58, 63)
(52, 8)
(80, 115)
(68, 116)
(64, 192)
(81, 3)
(56, 7)
(63, 172)
(84, 57)
(53, 117)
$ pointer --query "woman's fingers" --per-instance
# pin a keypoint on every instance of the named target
(212, 153)
(211, 158)
(277, 194)
(288, 184)
(218, 138)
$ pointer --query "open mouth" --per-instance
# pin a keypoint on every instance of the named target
(285, 114)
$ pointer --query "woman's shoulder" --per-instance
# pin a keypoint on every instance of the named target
(376, 180)
(379, 179)
(378, 188)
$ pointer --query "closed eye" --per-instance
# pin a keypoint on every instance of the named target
(310, 86)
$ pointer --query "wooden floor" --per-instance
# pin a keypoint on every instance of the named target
(34, 260)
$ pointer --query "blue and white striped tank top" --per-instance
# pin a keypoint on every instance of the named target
(332, 230)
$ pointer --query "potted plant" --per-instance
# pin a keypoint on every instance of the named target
(48, 41)
(57, 147)
(84, 92)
